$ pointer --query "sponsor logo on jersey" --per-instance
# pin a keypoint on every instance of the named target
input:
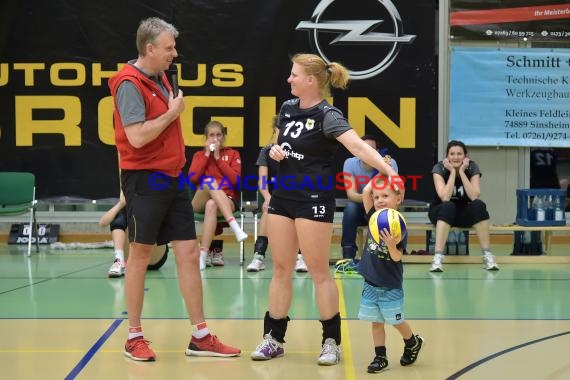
(310, 124)
(289, 152)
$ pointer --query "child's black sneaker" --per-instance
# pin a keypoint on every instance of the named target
(411, 353)
(378, 364)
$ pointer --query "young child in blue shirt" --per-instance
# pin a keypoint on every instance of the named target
(381, 266)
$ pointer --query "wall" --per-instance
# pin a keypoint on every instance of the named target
(500, 168)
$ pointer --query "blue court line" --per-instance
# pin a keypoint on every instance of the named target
(486, 359)
(87, 357)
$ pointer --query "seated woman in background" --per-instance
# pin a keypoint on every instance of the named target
(215, 171)
(116, 219)
(457, 186)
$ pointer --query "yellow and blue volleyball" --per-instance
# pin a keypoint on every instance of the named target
(389, 219)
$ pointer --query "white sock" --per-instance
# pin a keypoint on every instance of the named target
(240, 235)
(135, 335)
(200, 330)
(203, 258)
(135, 332)
(120, 254)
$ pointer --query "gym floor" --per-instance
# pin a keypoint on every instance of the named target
(61, 317)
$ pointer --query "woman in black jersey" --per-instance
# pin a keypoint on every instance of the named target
(302, 204)
(457, 203)
(266, 174)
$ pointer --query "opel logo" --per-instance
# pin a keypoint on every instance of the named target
(358, 32)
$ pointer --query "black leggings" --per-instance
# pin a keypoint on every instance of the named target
(459, 216)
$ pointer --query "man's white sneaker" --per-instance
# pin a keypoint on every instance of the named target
(489, 262)
(257, 264)
(117, 268)
(330, 354)
(300, 265)
(437, 263)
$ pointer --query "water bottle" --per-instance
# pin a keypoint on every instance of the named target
(548, 211)
(526, 237)
(431, 242)
(558, 212)
(451, 244)
(532, 210)
(462, 243)
(540, 213)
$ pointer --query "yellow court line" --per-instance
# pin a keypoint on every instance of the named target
(349, 371)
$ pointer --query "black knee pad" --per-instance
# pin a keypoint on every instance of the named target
(120, 221)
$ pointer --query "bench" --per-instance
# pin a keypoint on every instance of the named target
(428, 228)
(414, 206)
(547, 231)
(408, 206)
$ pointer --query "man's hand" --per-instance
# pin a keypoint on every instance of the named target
(176, 104)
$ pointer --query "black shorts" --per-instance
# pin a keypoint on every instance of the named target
(318, 210)
(157, 216)
(463, 215)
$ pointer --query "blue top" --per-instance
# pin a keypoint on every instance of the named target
(355, 166)
(376, 265)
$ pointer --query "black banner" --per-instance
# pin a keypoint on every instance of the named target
(57, 56)
(47, 233)
(525, 20)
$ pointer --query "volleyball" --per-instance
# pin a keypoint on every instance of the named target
(389, 219)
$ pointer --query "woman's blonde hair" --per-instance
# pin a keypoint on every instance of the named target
(327, 74)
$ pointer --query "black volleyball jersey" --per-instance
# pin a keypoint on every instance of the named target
(308, 137)
(543, 173)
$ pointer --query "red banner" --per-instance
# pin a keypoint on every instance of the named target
(529, 19)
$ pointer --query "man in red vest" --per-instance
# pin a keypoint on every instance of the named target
(149, 139)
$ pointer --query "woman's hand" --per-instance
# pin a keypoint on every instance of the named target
(465, 164)
(447, 165)
(277, 153)
(265, 206)
(122, 200)
(212, 146)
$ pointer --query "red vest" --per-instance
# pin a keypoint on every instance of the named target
(166, 153)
